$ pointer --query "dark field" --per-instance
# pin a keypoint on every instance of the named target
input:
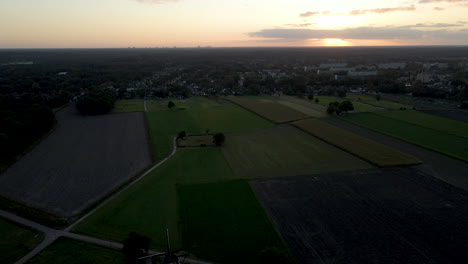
(79, 163)
(458, 115)
(376, 216)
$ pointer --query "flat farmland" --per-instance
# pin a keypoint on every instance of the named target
(380, 103)
(152, 205)
(84, 159)
(446, 125)
(377, 216)
(69, 251)
(371, 151)
(272, 111)
(198, 116)
(223, 222)
(129, 105)
(305, 106)
(16, 241)
(284, 150)
(358, 107)
(429, 138)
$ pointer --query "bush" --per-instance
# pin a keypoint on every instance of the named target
(96, 102)
(182, 134)
(170, 105)
(136, 246)
(345, 106)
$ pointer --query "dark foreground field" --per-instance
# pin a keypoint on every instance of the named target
(378, 216)
(458, 115)
(79, 163)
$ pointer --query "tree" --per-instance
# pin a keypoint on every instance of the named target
(136, 246)
(345, 106)
(182, 134)
(170, 105)
(218, 139)
(310, 97)
(378, 97)
(331, 109)
(317, 100)
(96, 102)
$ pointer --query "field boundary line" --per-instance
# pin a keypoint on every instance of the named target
(113, 196)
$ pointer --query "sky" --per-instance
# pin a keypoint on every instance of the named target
(230, 23)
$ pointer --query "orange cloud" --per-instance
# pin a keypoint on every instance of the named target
(382, 10)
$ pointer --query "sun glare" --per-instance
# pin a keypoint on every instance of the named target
(334, 42)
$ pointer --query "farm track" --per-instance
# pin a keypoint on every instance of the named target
(438, 165)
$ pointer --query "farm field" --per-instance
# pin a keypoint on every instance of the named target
(284, 150)
(79, 163)
(223, 222)
(421, 103)
(436, 140)
(151, 205)
(380, 103)
(458, 115)
(16, 241)
(371, 151)
(69, 251)
(366, 217)
(198, 115)
(441, 166)
(273, 111)
(430, 121)
(305, 106)
(358, 107)
(129, 105)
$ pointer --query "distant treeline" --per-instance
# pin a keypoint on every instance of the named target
(96, 102)
(23, 120)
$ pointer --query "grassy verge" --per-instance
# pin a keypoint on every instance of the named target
(371, 151)
(224, 222)
(16, 241)
(429, 138)
(70, 251)
(129, 105)
(33, 214)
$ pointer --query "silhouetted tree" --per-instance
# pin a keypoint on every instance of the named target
(170, 105)
(219, 139)
(345, 106)
(310, 97)
(182, 134)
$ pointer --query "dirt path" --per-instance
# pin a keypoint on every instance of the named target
(52, 234)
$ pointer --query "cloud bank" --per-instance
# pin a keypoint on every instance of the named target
(155, 1)
(362, 33)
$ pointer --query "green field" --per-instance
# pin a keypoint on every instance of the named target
(429, 121)
(436, 140)
(129, 105)
(16, 241)
(223, 222)
(75, 252)
(373, 101)
(358, 107)
(371, 151)
(151, 205)
(269, 109)
(284, 151)
(198, 116)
